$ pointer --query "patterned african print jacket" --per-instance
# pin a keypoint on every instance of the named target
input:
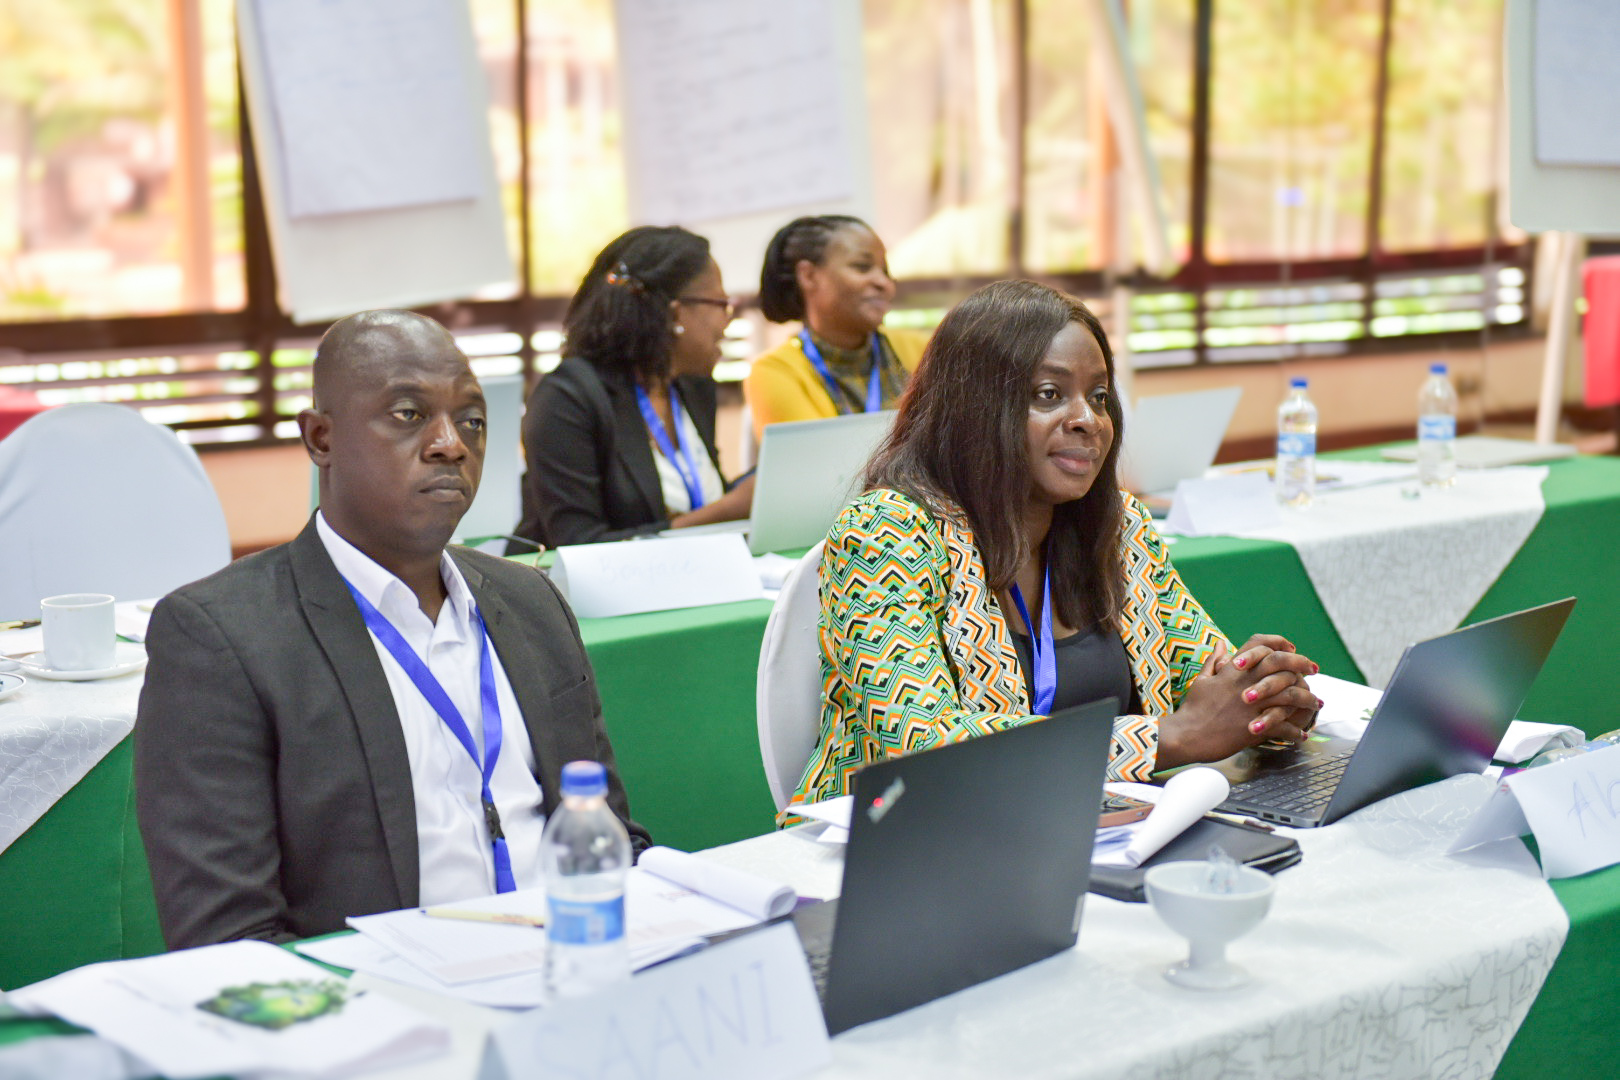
(915, 651)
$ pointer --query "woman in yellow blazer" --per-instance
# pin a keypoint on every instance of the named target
(832, 274)
(992, 508)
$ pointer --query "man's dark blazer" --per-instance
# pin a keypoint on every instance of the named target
(272, 784)
(591, 475)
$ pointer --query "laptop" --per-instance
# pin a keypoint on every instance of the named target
(1174, 437)
(808, 471)
(964, 862)
(1446, 709)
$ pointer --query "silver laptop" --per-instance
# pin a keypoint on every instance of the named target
(808, 471)
(1174, 437)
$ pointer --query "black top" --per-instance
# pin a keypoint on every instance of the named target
(1090, 666)
(591, 474)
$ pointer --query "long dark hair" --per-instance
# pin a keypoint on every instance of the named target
(620, 318)
(802, 238)
(960, 441)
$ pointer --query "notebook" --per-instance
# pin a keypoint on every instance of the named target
(963, 863)
(1446, 709)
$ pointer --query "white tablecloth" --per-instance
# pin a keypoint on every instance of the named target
(1391, 570)
(1381, 957)
(52, 734)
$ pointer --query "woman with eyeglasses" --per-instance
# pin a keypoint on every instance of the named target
(830, 273)
(620, 437)
(993, 572)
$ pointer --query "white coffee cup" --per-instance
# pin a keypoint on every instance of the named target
(79, 631)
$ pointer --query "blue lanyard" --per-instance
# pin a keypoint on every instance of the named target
(433, 690)
(1045, 653)
(687, 468)
(874, 382)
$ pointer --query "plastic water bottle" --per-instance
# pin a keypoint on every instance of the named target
(1296, 447)
(586, 853)
(1437, 429)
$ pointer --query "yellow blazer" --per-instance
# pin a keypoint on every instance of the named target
(781, 384)
(915, 651)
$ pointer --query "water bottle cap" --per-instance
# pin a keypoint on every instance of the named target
(1298, 382)
(1437, 369)
(584, 778)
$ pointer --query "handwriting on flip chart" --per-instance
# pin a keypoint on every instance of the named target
(743, 1009)
(1572, 806)
(731, 107)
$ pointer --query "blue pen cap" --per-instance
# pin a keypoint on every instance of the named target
(584, 778)
(1437, 369)
(1298, 382)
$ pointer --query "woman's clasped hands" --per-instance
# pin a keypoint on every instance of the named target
(1256, 695)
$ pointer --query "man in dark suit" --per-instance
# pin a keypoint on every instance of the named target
(294, 763)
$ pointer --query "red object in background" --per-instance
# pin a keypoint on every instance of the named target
(17, 406)
(1602, 331)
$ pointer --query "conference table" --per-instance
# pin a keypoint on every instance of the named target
(678, 693)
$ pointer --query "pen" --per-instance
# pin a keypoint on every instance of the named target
(501, 917)
(19, 624)
(1234, 819)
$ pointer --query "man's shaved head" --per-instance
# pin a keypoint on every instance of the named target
(362, 342)
(397, 432)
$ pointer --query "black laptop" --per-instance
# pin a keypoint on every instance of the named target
(964, 862)
(1446, 709)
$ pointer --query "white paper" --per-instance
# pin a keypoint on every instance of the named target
(746, 82)
(1575, 95)
(148, 1007)
(357, 952)
(603, 580)
(1347, 706)
(371, 100)
(748, 893)
(773, 569)
(1525, 739)
(1572, 806)
(1223, 505)
(832, 811)
(1187, 796)
(743, 1009)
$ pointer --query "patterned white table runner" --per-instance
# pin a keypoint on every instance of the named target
(1391, 570)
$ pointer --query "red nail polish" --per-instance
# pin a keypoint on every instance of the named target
(1320, 704)
(1248, 695)
(1241, 662)
(1315, 668)
(1257, 727)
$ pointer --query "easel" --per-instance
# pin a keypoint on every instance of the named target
(1569, 250)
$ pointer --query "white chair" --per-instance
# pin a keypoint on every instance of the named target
(95, 498)
(787, 693)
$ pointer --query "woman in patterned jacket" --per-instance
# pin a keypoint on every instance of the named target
(991, 508)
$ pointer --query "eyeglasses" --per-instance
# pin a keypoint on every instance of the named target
(730, 308)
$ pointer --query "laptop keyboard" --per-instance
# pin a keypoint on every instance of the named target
(1298, 791)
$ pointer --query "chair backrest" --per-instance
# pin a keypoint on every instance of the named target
(787, 698)
(95, 498)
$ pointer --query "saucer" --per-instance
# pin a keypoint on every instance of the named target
(130, 657)
(10, 684)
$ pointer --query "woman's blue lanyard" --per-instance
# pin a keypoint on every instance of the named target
(687, 468)
(431, 689)
(1045, 653)
(874, 383)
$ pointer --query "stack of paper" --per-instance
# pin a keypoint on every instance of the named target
(236, 1009)
(673, 901)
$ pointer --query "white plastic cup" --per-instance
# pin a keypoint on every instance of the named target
(79, 631)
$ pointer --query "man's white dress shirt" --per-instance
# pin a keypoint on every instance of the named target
(453, 846)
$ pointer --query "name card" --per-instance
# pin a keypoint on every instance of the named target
(630, 577)
(743, 1009)
(1223, 505)
(1572, 806)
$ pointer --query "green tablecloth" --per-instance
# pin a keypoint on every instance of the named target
(678, 691)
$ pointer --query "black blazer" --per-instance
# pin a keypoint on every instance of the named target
(272, 784)
(591, 475)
